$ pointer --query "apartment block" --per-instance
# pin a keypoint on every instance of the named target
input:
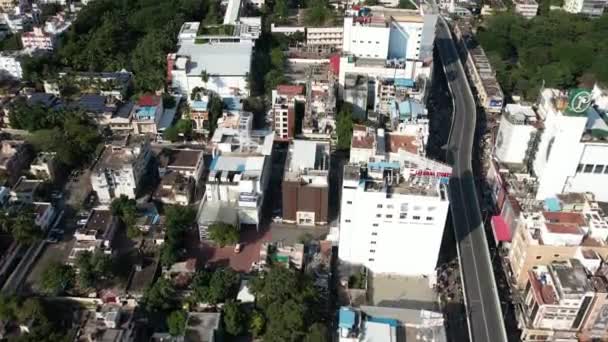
(305, 184)
(120, 169)
(285, 101)
(526, 8)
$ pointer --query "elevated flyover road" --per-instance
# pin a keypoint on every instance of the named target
(485, 319)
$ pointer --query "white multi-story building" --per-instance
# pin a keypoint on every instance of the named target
(394, 205)
(592, 8)
(238, 175)
(38, 40)
(387, 45)
(325, 36)
(217, 63)
(557, 296)
(119, 170)
(526, 8)
(572, 150)
(516, 134)
(10, 66)
(283, 111)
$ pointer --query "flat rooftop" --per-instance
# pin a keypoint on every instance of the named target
(222, 59)
(98, 224)
(308, 158)
(201, 326)
(180, 158)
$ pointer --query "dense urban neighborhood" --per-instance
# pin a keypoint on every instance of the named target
(319, 170)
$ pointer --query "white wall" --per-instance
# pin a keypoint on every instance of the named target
(512, 141)
(394, 246)
(365, 41)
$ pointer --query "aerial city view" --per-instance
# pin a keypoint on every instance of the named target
(303, 170)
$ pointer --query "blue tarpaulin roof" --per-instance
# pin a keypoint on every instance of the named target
(553, 204)
(347, 318)
(404, 82)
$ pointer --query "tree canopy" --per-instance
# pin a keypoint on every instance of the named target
(92, 268)
(559, 48)
(160, 297)
(135, 35)
(234, 318)
(178, 220)
(288, 302)
(57, 278)
(176, 321)
(223, 233)
(21, 225)
(215, 287)
(344, 126)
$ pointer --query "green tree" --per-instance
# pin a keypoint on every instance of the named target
(216, 287)
(344, 126)
(176, 321)
(317, 333)
(178, 219)
(8, 308)
(57, 278)
(223, 233)
(216, 107)
(213, 14)
(257, 322)
(126, 209)
(234, 318)
(24, 228)
(277, 58)
(280, 11)
(406, 4)
(92, 268)
(273, 78)
(318, 13)
(160, 297)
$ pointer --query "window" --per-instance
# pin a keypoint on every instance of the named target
(377, 42)
(417, 207)
(556, 255)
(375, 225)
(374, 234)
(429, 218)
(370, 259)
(389, 216)
(349, 202)
(404, 206)
(372, 242)
(416, 217)
(361, 41)
(347, 221)
(369, 42)
(378, 215)
(431, 208)
(354, 41)
(598, 169)
(389, 206)
(403, 216)
(372, 251)
(379, 206)
(579, 168)
(588, 168)
(538, 257)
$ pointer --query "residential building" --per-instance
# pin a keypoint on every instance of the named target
(526, 8)
(557, 296)
(7, 5)
(408, 196)
(595, 325)
(387, 324)
(114, 84)
(46, 101)
(387, 44)
(572, 150)
(186, 162)
(96, 234)
(24, 190)
(319, 120)
(238, 176)
(146, 114)
(592, 8)
(285, 100)
(325, 36)
(562, 228)
(305, 184)
(516, 135)
(45, 214)
(216, 64)
(120, 122)
(38, 39)
(387, 91)
(10, 66)
(120, 169)
(57, 24)
(44, 166)
(175, 188)
(479, 69)
(99, 108)
(356, 92)
(15, 156)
